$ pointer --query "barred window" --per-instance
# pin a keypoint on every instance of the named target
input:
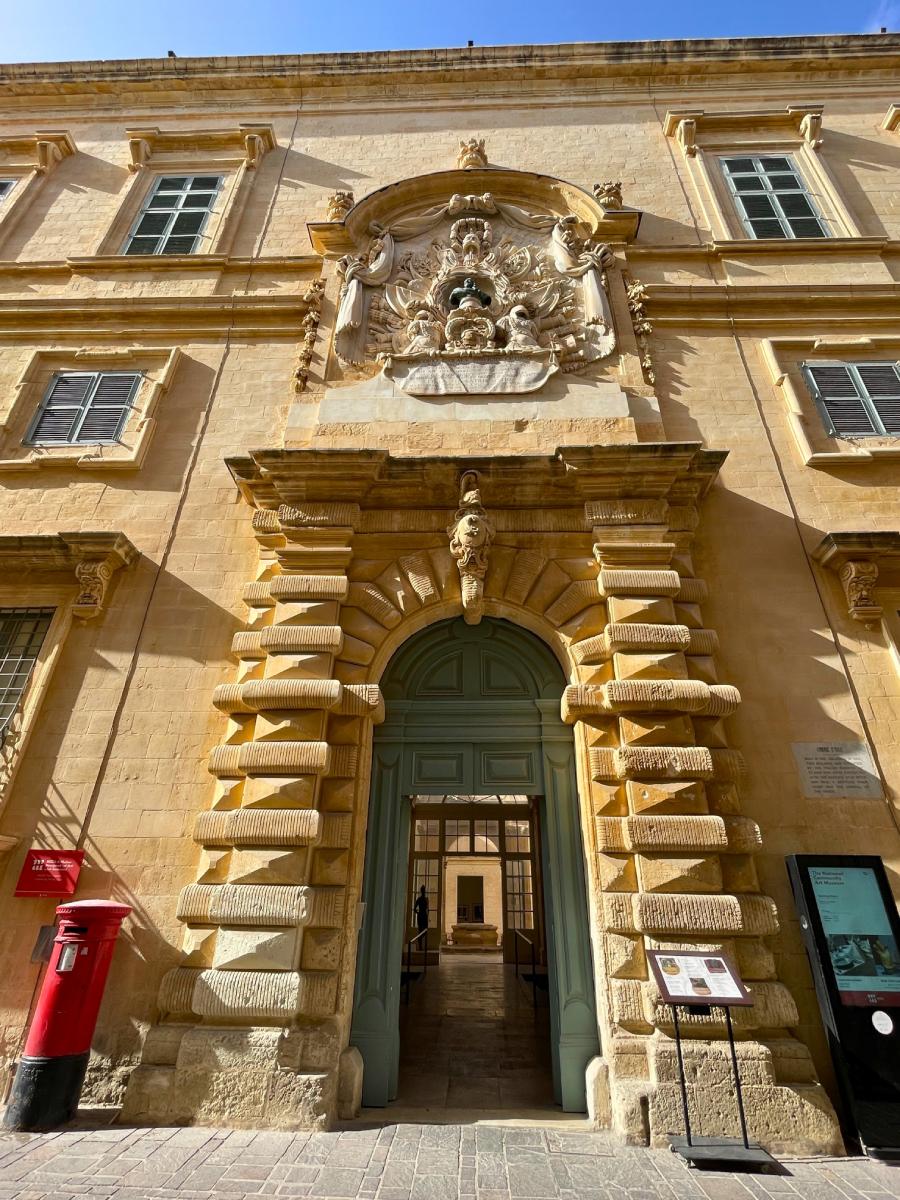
(771, 197)
(22, 633)
(174, 215)
(84, 406)
(856, 399)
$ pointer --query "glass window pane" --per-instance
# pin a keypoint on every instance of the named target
(739, 164)
(457, 837)
(179, 245)
(152, 223)
(170, 183)
(425, 871)
(427, 836)
(205, 183)
(807, 227)
(750, 183)
(767, 229)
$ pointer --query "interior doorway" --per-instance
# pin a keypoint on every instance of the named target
(473, 785)
(475, 1007)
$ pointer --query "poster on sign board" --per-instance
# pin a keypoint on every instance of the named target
(49, 873)
(864, 954)
(695, 977)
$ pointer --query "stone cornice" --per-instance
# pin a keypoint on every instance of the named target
(574, 475)
(794, 305)
(92, 558)
(101, 316)
(305, 265)
(577, 58)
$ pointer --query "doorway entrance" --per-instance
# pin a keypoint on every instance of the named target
(473, 733)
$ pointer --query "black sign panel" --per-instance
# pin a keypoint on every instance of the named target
(852, 935)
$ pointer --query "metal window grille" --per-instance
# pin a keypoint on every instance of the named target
(6, 186)
(772, 198)
(84, 406)
(174, 215)
(22, 633)
(856, 399)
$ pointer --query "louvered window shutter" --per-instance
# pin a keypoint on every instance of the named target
(882, 382)
(62, 408)
(84, 407)
(857, 399)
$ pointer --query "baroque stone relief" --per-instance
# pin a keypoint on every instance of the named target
(497, 300)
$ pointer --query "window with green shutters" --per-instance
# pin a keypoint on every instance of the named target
(771, 198)
(857, 399)
(84, 406)
(174, 215)
(22, 633)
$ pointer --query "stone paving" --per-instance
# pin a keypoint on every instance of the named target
(397, 1162)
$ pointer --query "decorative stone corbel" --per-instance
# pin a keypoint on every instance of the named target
(98, 557)
(338, 205)
(686, 135)
(861, 561)
(139, 149)
(471, 535)
(810, 126)
(858, 580)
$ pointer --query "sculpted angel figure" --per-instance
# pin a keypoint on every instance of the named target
(424, 333)
(579, 259)
(359, 273)
(521, 332)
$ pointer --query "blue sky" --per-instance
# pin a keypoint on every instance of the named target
(47, 30)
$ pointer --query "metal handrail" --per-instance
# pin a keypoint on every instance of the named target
(423, 933)
(530, 942)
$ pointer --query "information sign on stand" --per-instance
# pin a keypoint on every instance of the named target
(701, 981)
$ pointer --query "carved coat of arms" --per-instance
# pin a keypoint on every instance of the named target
(499, 302)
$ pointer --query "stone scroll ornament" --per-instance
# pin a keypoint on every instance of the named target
(471, 534)
(545, 305)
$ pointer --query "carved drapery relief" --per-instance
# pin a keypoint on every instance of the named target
(537, 287)
(471, 534)
(858, 580)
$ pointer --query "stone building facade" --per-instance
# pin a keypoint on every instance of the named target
(303, 356)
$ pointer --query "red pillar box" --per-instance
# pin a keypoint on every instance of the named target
(50, 1073)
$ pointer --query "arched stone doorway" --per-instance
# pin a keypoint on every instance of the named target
(474, 710)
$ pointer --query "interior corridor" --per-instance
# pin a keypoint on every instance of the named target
(471, 1038)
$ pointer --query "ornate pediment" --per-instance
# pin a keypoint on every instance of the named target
(478, 292)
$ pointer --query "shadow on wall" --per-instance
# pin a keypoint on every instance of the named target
(847, 155)
(141, 843)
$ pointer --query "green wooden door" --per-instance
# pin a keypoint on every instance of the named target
(473, 710)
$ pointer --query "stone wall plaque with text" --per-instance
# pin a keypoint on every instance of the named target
(837, 770)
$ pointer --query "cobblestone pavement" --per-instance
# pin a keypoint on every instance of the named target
(396, 1162)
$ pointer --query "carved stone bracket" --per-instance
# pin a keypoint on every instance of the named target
(471, 154)
(861, 561)
(471, 535)
(93, 557)
(338, 205)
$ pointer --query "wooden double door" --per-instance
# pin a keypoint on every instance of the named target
(474, 710)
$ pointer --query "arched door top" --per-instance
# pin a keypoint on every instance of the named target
(453, 661)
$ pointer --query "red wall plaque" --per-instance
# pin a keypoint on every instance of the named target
(49, 873)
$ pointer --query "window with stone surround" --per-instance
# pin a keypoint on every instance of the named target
(759, 174)
(771, 197)
(84, 407)
(6, 186)
(175, 216)
(841, 395)
(87, 408)
(856, 399)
